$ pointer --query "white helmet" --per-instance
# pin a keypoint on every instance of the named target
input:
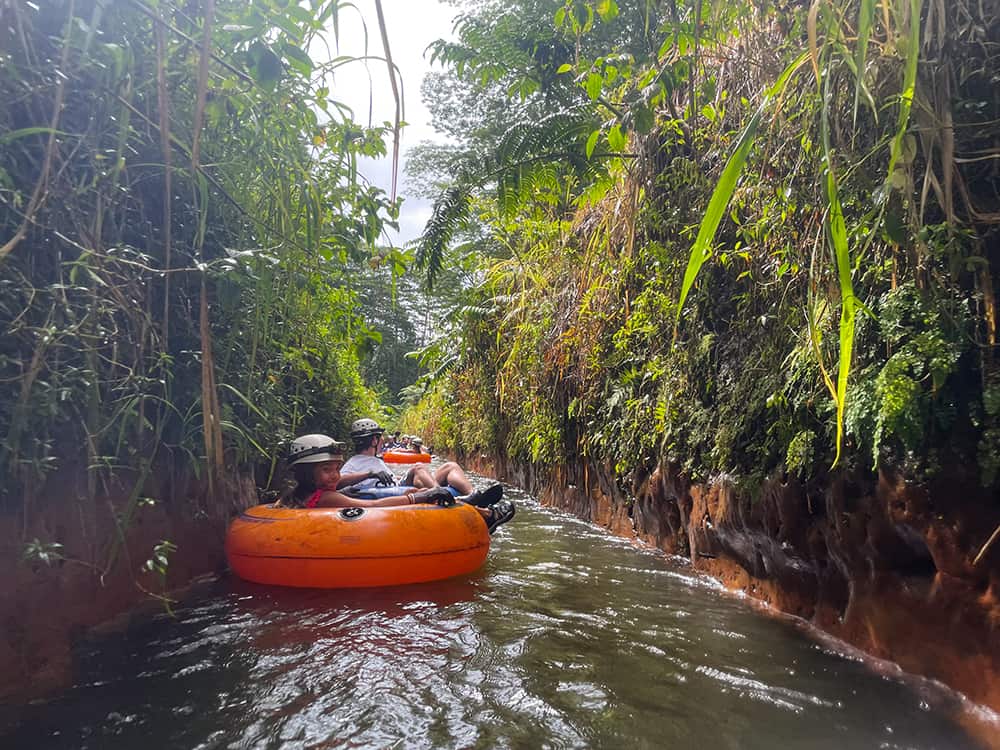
(417, 441)
(365, 428)
(314, 449)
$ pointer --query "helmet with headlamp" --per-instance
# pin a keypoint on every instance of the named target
(362, 428)
(314, 449)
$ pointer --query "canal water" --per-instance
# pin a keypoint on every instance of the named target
(566, 638)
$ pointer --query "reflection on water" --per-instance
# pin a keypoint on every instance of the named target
(566, 638)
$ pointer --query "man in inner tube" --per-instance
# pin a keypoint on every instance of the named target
(366, 471)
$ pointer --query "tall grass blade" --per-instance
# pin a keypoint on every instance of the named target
(397, 97)
(724, 189)
(912, 40)
(838, 236)
(702, 249)
(866, 15)
(837, 233)
(13, 135)
(816, 339)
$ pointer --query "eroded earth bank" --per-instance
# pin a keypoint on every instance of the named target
(884, 565)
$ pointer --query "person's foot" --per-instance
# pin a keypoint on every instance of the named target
(484, 498)
(500, 513)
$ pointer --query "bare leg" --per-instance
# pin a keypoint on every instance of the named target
(451, 474)
(419, 477)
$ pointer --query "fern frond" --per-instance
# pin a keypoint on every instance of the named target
(525, 161)
(451, 210)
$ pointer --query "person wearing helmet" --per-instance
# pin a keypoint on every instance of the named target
(418, 445)
(365, 471)
(316, 461)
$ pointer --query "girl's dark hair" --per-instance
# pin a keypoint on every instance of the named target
(303, 486)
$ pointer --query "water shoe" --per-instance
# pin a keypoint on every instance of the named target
(500, 513)
(484, 498)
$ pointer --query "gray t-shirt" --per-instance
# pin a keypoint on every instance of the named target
(364, 463)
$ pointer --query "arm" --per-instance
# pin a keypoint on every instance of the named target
(333, 499)
(352, 477)
(385, 478)
(346, 480)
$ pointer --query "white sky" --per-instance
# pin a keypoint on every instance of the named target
(411, 26)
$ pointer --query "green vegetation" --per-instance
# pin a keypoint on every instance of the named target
(740, 237)
(181, 221)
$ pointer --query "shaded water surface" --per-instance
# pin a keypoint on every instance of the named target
(566, 638)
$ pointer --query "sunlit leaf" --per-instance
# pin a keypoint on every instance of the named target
(607, 9)
(616, 138)
(593, 85)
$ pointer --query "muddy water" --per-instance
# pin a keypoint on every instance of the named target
(566, 638)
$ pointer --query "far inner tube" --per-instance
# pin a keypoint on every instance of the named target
(406, 457)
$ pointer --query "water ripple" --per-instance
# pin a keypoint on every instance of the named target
(568, 638)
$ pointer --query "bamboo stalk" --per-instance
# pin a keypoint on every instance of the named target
(990, 311)
(211, 423)
(989, 542)
(41, 187)
(164, 104)
(202, 94)
(160, 21)
(209, 395)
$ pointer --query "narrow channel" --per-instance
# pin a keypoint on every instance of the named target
(566, 638)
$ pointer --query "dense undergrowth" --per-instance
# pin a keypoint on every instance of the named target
(851, 266)
(739, 237)
(182, 228)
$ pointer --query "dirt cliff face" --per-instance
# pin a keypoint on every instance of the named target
(884, 565)
(45, 607)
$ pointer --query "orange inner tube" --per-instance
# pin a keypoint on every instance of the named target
(406, 457)
(355, 547)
